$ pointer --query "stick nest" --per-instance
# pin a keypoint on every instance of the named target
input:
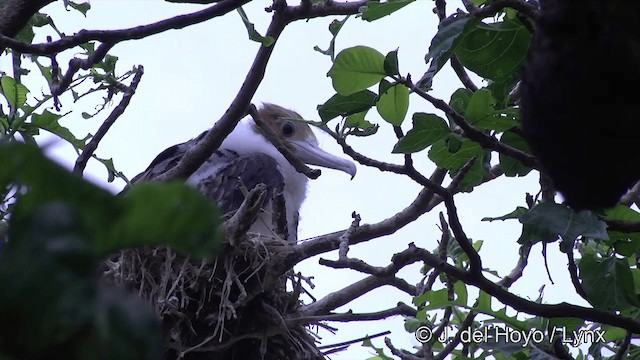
(227, 308)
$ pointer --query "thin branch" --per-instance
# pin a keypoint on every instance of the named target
(518, 270)
(406, 169)
(470, 131)
(76, 64)
(631, 196)
(573, 272)
(622, 350)
(89, 149)
(520, 304)
(115, 36)
(198, 154)
(400, 309)
(623, 225)
(241, 221)
(475, 262)
(344, 345)
(462, 74)
(496, 6)
(297, 164)
(328, 242)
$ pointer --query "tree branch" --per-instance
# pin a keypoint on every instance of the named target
(115, 36)
(470, 131)
(129, 91)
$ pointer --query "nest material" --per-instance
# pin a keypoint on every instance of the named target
(226, 308)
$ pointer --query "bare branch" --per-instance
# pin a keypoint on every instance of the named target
(129, 91)
(497, 6)
(475, 262)
(198, 154)
(76, 64)
(518, 270)
(400, 309)
(115, 36)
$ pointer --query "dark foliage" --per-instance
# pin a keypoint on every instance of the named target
(579, 98)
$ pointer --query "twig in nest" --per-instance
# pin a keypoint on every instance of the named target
(241, 221)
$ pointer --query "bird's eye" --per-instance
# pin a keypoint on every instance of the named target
(288, 128)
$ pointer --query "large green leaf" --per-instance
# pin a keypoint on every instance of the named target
(14, 92)
(393, 104)
(494, 51)
(481, 113)
(251, 29)
(625, 243)
(375, 10)
(608, 282)
(441, 155)
(50, 122)
(356, 68)
(340, 105)
(176, 215)
(443, 43)
(511, 166)
(427, 129)
(552, 218)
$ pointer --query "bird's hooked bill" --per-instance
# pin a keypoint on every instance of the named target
(312, 154)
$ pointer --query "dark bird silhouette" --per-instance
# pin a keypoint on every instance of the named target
(579, 98)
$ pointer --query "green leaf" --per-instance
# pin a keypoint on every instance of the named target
(625, 243)
(108, 164)
(340, 105)
(174, 214)
(89, 47)
(26, 34)
(460, 100)
(358, 126)
(148, 209)
(376, 10)
(379, 351)
(560, 220)
(454, 161)
(394, 104)
(515, 214)
(40, 20)
(443, 43)
(494, 51)
(81, 7)
(355, 69)
(427, 129)
(608, 283)
(511, 166)
(108, 64)
(481, 113)
(253, 33)
(480, 105)
(14, 92)
(483, 305)
(49, 121)
(391, 63)
(334, 29)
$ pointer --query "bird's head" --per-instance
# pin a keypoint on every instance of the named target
(301, 140)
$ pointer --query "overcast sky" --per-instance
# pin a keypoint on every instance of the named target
(191, 76)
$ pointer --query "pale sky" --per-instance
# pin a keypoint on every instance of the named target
(191, 76)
